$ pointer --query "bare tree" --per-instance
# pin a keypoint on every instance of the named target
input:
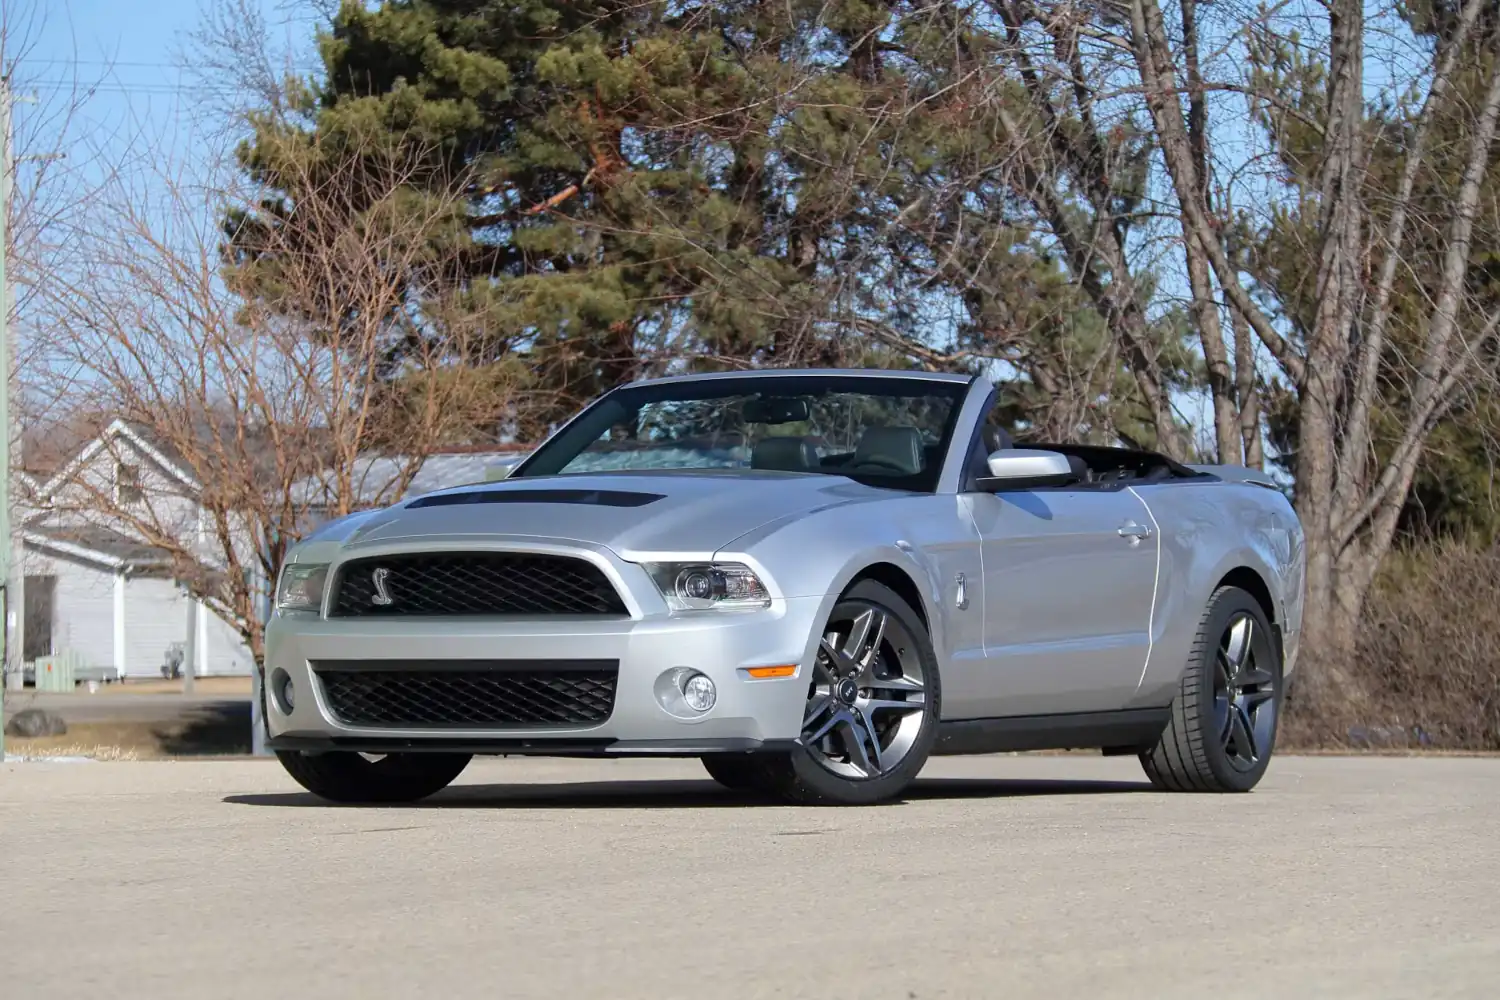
(267, 378)
(1370, 381)
(48, 187)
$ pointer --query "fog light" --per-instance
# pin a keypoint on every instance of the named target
(698, 691)
(283, 694)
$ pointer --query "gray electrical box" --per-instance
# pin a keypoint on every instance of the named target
(58, 673)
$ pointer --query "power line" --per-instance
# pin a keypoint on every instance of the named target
(98, 62)
(151, 88)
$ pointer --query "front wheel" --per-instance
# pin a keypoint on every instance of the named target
(737, 771)
(872, 706)
(1223, 724)
(340, 776)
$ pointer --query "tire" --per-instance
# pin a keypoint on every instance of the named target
(902, 671)
(341, 776)
(737, 771)
(1222, 729)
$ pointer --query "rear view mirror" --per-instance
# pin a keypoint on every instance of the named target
(776, 410)
(1026, 469)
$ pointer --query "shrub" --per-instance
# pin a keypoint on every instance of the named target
(1426, 669)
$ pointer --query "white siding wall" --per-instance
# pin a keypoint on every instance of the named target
(155, 616)
(226, 653)
(155, 610)
(163, 503)
(83, 611)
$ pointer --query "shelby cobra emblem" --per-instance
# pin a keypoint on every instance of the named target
(382, 596)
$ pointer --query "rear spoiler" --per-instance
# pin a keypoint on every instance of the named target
(1238, 474)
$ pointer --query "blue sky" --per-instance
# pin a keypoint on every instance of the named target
(119, 67)
(122, 51)
(142, 107)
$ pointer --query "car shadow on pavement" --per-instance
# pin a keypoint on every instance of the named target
(678, 794)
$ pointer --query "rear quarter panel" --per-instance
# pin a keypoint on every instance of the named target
(1207, 530)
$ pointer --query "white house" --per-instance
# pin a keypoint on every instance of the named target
(99, 592)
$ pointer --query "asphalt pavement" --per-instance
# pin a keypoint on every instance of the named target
(999, 877)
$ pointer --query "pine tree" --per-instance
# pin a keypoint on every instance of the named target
(668, 186)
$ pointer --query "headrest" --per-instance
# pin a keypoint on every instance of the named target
(900, 447)
(784, 454)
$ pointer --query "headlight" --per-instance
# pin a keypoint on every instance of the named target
(301, 587)
(702, 586)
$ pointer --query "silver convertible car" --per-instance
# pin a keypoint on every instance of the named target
(812, 581)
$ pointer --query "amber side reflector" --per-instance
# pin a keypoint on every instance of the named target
(764, 672)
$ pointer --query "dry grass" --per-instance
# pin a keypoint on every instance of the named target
(139, 740)
(1426, 673)
(218, 686)
(60, 747)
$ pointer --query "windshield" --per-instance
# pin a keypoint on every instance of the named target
(882, 431)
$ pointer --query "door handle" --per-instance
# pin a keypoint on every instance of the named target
(1134, 532)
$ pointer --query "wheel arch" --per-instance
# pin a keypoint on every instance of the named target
(1252, 582)
(1249, 580)
(898, 580)
(905, 573)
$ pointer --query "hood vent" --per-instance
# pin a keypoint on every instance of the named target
(587, 498)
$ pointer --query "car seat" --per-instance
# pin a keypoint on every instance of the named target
(784, 454)
(897, 447)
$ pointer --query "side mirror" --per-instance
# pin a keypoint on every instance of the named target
(1026, 469)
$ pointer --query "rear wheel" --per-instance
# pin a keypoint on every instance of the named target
(353, 777)
(1223, 724)
(872, 707)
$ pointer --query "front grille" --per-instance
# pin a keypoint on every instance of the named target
(473, 583)
(469, 693)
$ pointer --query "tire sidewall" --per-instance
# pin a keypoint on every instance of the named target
(346, 777)
(1227, 603)
(830, 787)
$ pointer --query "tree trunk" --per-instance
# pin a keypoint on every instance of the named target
(1246, 393)
(1205, 308)
(1338, 286)
(1205, 312)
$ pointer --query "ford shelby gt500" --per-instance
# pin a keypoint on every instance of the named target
(812, 581)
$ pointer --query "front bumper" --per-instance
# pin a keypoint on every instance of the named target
(749, 714)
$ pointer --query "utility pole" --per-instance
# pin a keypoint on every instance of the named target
(7, 177)
(190, 646)
(5, 172)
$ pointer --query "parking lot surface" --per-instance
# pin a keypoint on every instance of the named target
(1006, 876)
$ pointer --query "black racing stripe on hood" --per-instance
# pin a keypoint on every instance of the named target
(589, 498)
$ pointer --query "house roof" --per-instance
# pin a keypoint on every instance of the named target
(167, 458)
(95, 543)
(372, 474)
(452, 466)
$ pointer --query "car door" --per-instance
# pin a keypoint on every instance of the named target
(1069, 584)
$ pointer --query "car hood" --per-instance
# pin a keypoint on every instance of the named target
(637, 515)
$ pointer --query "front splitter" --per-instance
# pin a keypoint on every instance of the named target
(551, 747)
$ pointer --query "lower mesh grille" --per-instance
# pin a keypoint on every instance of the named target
(469, 694)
